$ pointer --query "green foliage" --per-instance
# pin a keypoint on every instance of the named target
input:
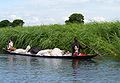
(17, 22)
(5, 23)
(75, 18)
(102, 38)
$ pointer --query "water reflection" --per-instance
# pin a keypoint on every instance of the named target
(17, 69)
(76, 62)
(56, 63)
(80, 66)
(11, 58)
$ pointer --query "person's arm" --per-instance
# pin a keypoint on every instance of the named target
(82, 46)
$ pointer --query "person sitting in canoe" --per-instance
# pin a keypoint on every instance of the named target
(76, 46)
(10, 46)
(76, 51)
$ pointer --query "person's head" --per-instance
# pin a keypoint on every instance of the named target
(76, 48)
(9, 41)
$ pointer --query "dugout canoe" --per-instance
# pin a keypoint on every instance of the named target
(89, 56)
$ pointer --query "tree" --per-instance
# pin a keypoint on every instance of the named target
(75, 18)
(17, 22)
(5, 23)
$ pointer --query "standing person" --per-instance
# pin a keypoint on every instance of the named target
(76, 46)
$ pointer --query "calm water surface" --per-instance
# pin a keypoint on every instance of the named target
(21, 69)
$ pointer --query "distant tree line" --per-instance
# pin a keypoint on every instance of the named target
(75, 18)
(7, 23)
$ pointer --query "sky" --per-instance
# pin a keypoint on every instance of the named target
(44, 12)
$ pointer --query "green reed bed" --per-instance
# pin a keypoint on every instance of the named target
(102, 38)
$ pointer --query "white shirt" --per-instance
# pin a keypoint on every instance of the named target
(10, 45)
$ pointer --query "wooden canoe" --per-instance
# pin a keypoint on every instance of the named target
(61, 57)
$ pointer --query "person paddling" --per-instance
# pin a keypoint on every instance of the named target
(76, 46)
(76, 52)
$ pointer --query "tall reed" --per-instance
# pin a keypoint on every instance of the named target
(102, 38)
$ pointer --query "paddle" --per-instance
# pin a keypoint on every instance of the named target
(91, 48)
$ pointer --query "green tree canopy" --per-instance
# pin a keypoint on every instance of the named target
(17, 22)
(75, 18)
(5, 23)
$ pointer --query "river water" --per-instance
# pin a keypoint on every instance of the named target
(24, 69)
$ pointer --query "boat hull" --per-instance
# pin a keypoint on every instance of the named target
(59, 57)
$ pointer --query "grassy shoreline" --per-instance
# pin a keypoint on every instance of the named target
(100, 37)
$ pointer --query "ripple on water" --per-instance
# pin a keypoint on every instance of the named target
(17, 69)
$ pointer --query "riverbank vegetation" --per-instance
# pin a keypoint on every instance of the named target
(102, 38)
